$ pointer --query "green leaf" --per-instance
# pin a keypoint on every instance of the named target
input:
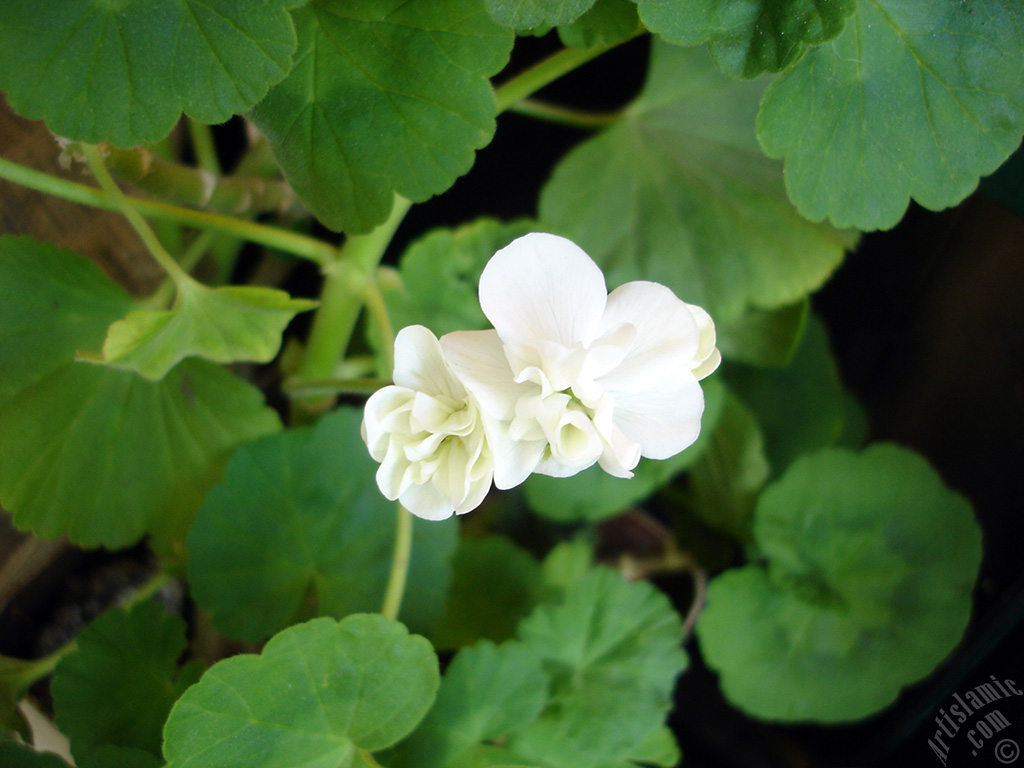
(318, 692)
(124, 71)
(912, 100)
(613, 651)
(487, 693)
(52, 303)
(298, 525)
(799, 409)
(748, 38)
(14, 755)
(870, 566)
(98, 454)
(119, 684)
(763, 337)
(678, 192)
(724, 484)
(608, 22)
(386, 96)
(440, 272)
(225, 325)
(594, 495)
(566, 564)
(494, 585)
(527, 14)
(659, 748)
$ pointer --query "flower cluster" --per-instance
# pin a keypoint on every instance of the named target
(570, 376)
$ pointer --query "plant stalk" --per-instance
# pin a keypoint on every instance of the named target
(399, 565)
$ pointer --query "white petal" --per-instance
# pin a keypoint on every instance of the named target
(543, 287)
(427, 502)
(667, 336)
(478, 359)
(419, 364)
(708, 357)
(514, 460)
(474, 498)
(665, 418)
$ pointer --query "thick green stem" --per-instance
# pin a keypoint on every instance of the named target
(399, 565)
(139, 224)
(200, 187)
(341, 299)
(574, 118)
(544, 72)
(306, 247)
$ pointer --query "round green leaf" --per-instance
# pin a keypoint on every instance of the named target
(98, 454)
(613, 651)
(678, 191)
(911, 100)
(224, 325)
(318, 692)
(748, 38)
(124, 71)
(385, 96)
(870, 565)
(298, 525)
(440, 272)
(119, 684)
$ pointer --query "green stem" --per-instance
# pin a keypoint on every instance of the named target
(544, 72)
(319, 389)
(574, 118)
(380, 318)
(203, 146)
(342, 296)
(399, 565)
(306, 247)
(199, 187)
(95, 159)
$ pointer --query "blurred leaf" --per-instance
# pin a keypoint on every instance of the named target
(14, 755)
(125, 71)
(748, 38)
(800, 408)
(225, 325)
(386, 96)
(120, 757)
(487, 692)
(594, 495)
(117, 687)
(659, 748)
(440, 272)
(725, 482)
(564, 565)
(494, 585)
(613, 651)
(298, 525)
(761, 337)
(608, 22)
(870, 566)
(678, 191)
(528, 14)
(890, 110)
(98, 454)
(317, 693)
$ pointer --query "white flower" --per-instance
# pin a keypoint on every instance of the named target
(427, 433)
(575, 375)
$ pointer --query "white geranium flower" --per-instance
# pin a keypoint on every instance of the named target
(427, 433)
(576, 375)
